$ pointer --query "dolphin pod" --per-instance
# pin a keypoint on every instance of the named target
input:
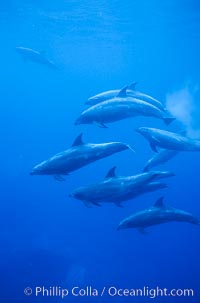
(77, 156)
(168, 140)
(108, 107)
(131, 92)
(114, 189)
(119, 108)
(159, 213)
(35, 56)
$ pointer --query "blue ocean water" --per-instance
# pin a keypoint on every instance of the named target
(48, 239)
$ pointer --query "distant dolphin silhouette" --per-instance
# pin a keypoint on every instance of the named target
(35, 56)
(159, 213)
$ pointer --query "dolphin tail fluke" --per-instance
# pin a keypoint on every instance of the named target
(168, 121)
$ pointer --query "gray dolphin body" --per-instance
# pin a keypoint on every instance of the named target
(161, 157)
(147, 188)
(131, 92)
(77, 156)
(120, 108)
(35, 56)
(168, 140)
(159, 213)
(115, 189)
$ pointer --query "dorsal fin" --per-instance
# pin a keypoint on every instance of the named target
(122, 93)
(159, 203)
(132, 85)
(78, 141)
(111, 173)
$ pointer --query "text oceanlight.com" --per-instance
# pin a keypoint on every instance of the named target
(112, 291)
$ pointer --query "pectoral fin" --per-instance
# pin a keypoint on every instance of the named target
(96, 203)
(100, 124)
(87, 204)
(59, 178)
(142, 231)
(153, 147)
(119, 204)
(153, 144)
(168, 120)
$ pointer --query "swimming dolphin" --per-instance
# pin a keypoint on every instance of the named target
(157, 214)
(35, 56)
(168, 140)
(147, 188)
(162, 156)
(79, 155)
(116, 189)
(131, 92)
(120, 108)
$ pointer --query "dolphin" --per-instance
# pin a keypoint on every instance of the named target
(120, 108)
(157, 214)
(131, 92)
(79, 155)
(147, 188)
(116, 189)
(162, 156)
(168, 140)
(35, 56)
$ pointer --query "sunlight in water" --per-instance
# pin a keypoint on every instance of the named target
(182, 105)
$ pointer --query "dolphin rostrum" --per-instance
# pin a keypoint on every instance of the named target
(77, 156)
(157, 214)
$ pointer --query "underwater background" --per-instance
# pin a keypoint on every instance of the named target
(46, 237)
